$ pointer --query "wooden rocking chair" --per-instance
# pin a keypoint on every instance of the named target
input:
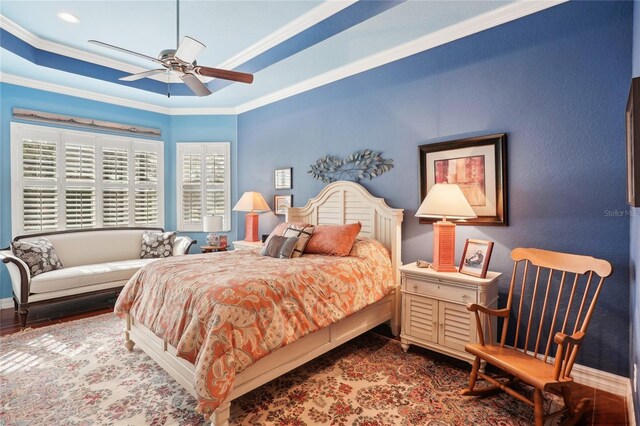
(570, 296)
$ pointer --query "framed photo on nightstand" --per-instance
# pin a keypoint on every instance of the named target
(475, 258)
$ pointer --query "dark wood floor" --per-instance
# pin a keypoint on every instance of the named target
(608, 409)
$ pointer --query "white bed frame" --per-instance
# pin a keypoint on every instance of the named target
(338, 203)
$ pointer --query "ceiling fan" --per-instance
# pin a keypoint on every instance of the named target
(182, 61)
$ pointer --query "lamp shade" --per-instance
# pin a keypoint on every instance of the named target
(212, 224)
(446, 200)
(252, 201)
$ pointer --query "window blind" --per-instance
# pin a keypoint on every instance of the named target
(146, 207)
(115, 165)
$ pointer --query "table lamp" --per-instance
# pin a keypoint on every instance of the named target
(445, 200)
(213, 224)
(251, 202)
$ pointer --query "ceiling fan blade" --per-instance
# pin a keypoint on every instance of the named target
(195, 85)
(224, 74)
(145, 74)
(120, 49)
(189, 50)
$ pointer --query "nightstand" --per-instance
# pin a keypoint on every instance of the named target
(247, 245)
(434, 313)
(211, 249)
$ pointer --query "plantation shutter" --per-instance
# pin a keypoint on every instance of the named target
(80, 161)
(146, 207)
(80, 207)
(215, 184)
(115, 207)
(39, 164)
(115, 165)
(203, 169)
(69, 179)
(40, 208)
(192, 189)
(39, 160)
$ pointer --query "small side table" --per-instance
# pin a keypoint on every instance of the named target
(212, 249)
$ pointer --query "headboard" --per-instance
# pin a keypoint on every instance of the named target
(347, 202)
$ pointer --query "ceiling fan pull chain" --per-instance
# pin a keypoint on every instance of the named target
(168, 84)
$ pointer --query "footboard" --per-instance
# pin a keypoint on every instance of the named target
(268, 368)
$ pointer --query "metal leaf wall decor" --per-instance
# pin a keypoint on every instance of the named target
(362, 164)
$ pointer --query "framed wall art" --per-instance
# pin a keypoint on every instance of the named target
(282, 178)
(633, 144)
(478, 166)
(281, 203)
(475, 258)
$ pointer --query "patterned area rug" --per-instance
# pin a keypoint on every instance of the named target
(79, 373)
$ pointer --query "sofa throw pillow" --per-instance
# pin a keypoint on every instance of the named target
(157, 244)
(334, 240)
(303, 232)
(280, 247)
(38, 254)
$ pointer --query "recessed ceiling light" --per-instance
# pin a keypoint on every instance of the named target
(68, 17)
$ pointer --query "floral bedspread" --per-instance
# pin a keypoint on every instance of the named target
(225, 311)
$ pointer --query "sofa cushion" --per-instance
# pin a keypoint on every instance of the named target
(80, 276)
(157, 244)
(38, 254)
(93, 247)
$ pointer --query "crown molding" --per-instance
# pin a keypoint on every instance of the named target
(454, 32)
(298, 25)
(60, 49)
(85, 94)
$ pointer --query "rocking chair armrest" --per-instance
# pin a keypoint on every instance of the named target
(575, 339)
(474, 307)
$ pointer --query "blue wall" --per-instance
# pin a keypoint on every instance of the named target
(555, 81)
(634, 241)
(174, 129)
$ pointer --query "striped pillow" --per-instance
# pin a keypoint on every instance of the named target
(303, 232)
(280, 247)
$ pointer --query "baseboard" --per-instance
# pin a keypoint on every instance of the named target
(602, 380)
(6, 303)
(631, 412)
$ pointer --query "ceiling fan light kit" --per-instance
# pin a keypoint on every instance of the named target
(181, 61)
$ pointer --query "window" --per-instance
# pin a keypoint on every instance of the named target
(68, 179)
(203, 184)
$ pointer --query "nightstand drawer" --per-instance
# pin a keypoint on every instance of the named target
(440, 291)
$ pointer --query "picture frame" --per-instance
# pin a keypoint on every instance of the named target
(633, 143)
(479, 166)
(476, 257)
(282, 178)
(281, 203)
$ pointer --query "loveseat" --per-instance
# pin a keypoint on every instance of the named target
(94, 261)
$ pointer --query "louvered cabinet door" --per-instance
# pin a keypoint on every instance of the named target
(421, 319)
(456, 326)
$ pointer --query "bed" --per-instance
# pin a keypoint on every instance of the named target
(337, 203)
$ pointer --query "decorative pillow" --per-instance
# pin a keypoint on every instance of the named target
(157, 244)
(303, 232)
(334, 240)
(280, 247)
(279, 230)
(38, 254)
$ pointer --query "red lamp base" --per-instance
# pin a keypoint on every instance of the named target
(444, 247)
(251, 227)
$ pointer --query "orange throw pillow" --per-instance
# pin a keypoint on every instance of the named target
(334, 240)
